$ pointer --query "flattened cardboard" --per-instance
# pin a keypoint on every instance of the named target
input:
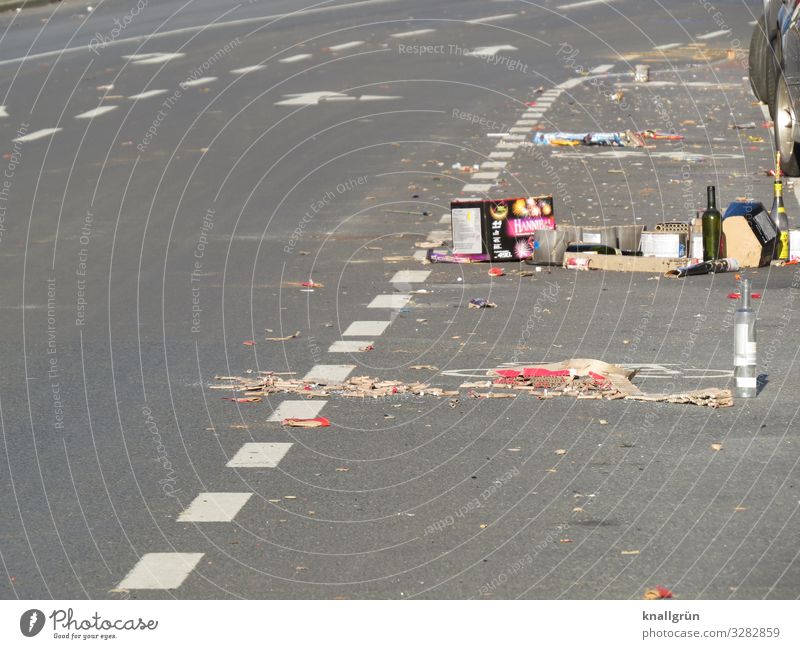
(624, 263)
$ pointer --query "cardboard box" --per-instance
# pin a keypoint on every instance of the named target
(750, 239)
(664, 244)
(794, 244)
(503, 229)
(625, 263)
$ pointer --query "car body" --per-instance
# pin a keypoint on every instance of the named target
(775, 75)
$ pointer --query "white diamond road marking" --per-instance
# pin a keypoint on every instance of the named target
(416, 32)
(489, 19)
(492, 164)
(391, 301)
(161, 570)
(366, 328)
(328, 373)
(668, 46)
(249, 68)
(36, 135)
(95, 112)
(345, 46)
(297, 409)
(214, 507)
(3, 111)
(259, 455)
(412, 276)
(196, 82)
(490, 50)
(485, 175)
(148, 93)
(154, 58)
(349, 346)
(476, 188)
(602, 69)
(294, 58)
(720, 32)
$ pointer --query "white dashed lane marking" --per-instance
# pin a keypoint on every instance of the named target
(490, 50)
(345, 46)
(295, 58)
(259, 455)
(519, 129)
(486, 165)
(214, 508)
(584, 3)
(602, 69)
(412, 276)
(95, 112)
(249, 68)
(297, 409)
(161, 570)
(148, 93)
(472, 187)
(36, 135)
(720, 32)
(667, 46)
(527, 122)
(485, 175)
(197, 82)
(329, 373)
(349, 346)
(416, 32)
(153, 58)
(391, 301)
(490, 19)
(508, 145)
(366, 328)
(502, 155)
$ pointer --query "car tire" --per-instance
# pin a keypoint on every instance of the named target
(785, 117)
(774, 73)
(757, 61)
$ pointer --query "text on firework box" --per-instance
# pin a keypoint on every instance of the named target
(502, 229)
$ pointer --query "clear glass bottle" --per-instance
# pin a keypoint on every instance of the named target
(744, 357)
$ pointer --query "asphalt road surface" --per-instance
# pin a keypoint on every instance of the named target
(170, 180)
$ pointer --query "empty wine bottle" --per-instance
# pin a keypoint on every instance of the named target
(778, 215)
(744, 355)
(712, 227)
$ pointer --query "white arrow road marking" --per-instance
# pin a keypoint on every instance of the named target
(214, 507)
(148, 93)
(161, 570)
(295, 58)
(100, 110)
(345, 46)
(490, 50)
(249, 68)
(36, 135)
(490, 19)
(197, 82)
(153, 58)
(416, 32)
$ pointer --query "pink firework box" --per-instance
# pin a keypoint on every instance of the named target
(503, 228)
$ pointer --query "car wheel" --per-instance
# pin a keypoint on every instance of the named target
(757, 62)
(773, 65)
(785, 118)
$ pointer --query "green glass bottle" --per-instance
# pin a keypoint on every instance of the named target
(712, 227)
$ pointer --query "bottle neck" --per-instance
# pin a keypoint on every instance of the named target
(712, 198)
(778, 189)
(745, 293)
